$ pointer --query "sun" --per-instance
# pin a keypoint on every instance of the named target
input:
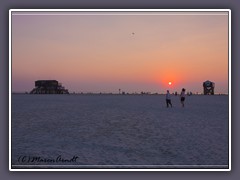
(169, 83)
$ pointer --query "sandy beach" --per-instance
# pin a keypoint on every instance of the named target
(111, 131)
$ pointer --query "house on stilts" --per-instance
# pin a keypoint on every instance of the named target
(48, 87)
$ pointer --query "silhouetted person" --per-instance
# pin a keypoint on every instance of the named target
(168, 99)
(182, 97)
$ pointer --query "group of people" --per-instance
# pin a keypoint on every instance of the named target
(182, 98)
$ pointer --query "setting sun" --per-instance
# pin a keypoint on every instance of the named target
(145, 62)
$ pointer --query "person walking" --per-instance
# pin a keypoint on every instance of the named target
(182, 97)
(168, 99)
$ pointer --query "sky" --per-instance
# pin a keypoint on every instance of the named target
(131, 51)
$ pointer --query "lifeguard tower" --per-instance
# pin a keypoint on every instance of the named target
(208, 87)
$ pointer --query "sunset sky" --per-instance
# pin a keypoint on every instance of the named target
(131, 51)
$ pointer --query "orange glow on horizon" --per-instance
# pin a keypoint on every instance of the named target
(175, 52)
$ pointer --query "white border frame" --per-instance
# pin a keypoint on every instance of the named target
(119, 10)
